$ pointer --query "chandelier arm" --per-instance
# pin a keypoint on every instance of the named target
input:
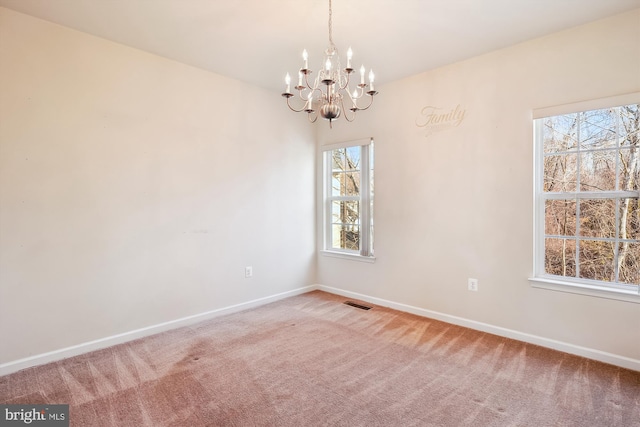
(346, 115)
(293, 109)
(346, 83)
(300, 91)
(360, 91)
(370, 102)
(310, 110)
(353, 101)
(306, 81)
(314, 118)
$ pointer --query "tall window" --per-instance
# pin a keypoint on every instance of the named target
(587, 198)
(348, 198)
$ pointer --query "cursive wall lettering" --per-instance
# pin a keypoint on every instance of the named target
(435, 119)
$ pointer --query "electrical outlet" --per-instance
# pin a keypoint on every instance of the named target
(473, 285)
(248, 272)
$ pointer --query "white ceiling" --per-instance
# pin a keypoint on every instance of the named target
(258, 41)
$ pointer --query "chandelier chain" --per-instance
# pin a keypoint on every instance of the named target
(330, 26)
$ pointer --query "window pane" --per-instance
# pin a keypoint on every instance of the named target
(345, 183)
(346, 237)
(352, 160)
(337, 159)
(560, 257)
(598, 218)
(630, 168)
(345, 212)
(629, 125)
(371, 167)
(596, 260)
(560, 173)
(352, 184)
(337, 183)
(559, 133)
(630, 219)
(598, 170)
(560, 217)
(371, 234)
(629, 263)
(598, 129)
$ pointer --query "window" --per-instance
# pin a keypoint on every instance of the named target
(587, 198)
(348, 198)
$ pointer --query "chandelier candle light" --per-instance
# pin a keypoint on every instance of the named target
(330, 89)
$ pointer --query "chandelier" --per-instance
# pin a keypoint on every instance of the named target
(327, 94)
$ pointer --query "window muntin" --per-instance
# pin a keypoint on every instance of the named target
(587, 197)
(348, 175)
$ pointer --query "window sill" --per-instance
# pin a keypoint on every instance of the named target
(345, 255)
(585, 289)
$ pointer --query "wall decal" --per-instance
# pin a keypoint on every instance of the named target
(436, 119)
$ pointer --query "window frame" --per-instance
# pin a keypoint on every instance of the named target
(364, 198)
(541, 279)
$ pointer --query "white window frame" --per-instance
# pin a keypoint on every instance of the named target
(541, 279)
(365, 199)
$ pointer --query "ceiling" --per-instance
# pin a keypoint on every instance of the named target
(259, 41)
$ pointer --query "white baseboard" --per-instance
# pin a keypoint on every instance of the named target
(613, 359)
(40, 359)
(52, 356)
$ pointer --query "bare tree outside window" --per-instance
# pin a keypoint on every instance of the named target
(590, 188)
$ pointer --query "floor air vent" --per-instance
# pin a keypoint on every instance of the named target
(356, 305)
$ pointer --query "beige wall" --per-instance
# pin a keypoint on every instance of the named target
(134, 190)
(459, 203)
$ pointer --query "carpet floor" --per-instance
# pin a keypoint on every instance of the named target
(311, 360)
